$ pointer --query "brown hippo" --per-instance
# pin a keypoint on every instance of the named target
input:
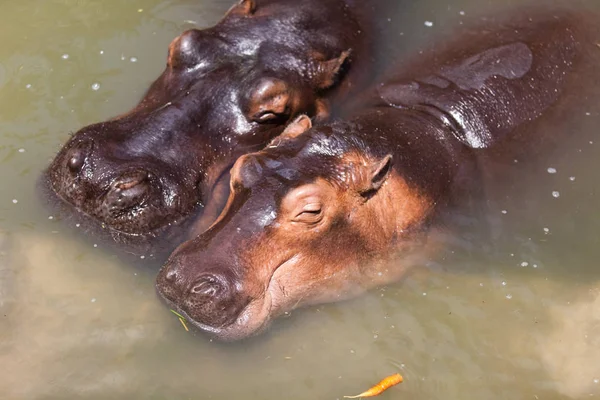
(316, 215)
(226, 91)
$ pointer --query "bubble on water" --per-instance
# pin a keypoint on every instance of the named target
(375, 336)
(28, 86)
(551, 170)
(524, 264)
(133, 59)
(142, 257)
(591, 142)
(535, 266)
(93, 300)
(504, 212)
(95, 86)
(503, 283)
(65, 56)
(428, 23)
(509, 296)
(101, 51)
(50, 217)
(122, 57)
(481, 284)
(352, 351)
(546, 231)
(140, 10)
(596, 380)
(424, 293)
(21, 150)
(95, 245)
(571, 178)
(15, 201)
(556, 194)
(77, 225)
(461, 12)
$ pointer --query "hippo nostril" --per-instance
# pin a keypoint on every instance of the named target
(77, 156)
(130, 180)
(209, 286)
(171, 276)
(76, 162)
(129, 190)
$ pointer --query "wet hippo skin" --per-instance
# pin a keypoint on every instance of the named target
(318, 214)
(226, 90)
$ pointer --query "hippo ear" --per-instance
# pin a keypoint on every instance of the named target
(301, 124)
(377, 173)
(246, 172)
(324, 72)
(297, 127)
(243, 8)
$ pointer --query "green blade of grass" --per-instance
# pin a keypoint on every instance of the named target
(179, 315)
(184, 325)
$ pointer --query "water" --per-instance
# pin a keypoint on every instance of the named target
(519, 318)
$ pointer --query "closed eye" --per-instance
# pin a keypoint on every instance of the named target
(270, 117)
(265, 116)
(310, 214)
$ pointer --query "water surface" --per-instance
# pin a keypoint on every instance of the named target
(517, 318)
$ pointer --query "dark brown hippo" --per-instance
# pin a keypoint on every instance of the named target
(226, 91)
(316, 215)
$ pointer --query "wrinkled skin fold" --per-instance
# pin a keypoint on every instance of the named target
(226, 91)
(316, 215)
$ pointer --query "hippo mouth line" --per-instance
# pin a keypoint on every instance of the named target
(259, 309)
(227, 332)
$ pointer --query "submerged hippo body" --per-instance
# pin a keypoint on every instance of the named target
(226, 91)
(316, 215)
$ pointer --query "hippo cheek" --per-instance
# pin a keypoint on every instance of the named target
(260, 312)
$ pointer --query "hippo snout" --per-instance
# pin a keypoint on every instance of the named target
(210, 300)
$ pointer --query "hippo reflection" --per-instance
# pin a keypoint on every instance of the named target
(225, 91)
(315, 216)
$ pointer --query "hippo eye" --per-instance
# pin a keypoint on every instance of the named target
(265, 116)
(270, 101)
(269, 117)
(310, 214)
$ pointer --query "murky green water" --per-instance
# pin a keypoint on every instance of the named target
(516, 320)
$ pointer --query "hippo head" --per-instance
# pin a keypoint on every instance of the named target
(303, 222)
(219, 97)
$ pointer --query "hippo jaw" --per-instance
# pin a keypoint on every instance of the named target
(247, 324)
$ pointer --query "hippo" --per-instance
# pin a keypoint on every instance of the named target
(325, 212)
(226, 90)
